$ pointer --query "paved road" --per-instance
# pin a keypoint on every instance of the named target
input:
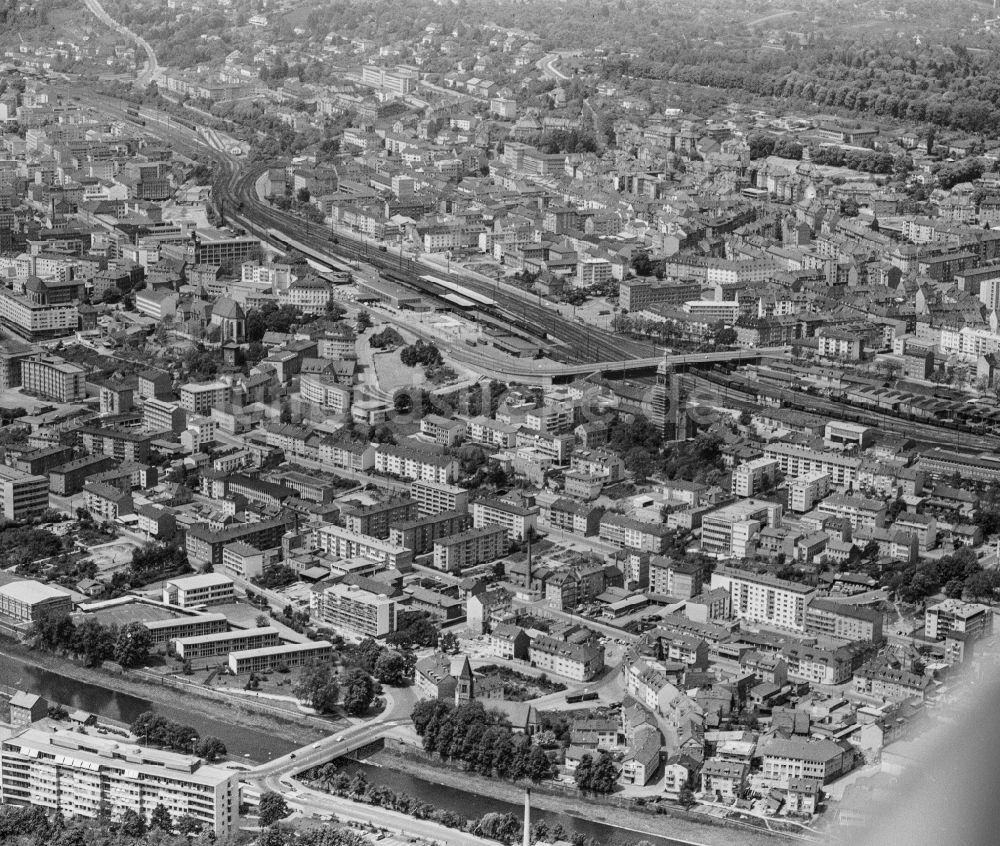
(151, 68)
(547, 66)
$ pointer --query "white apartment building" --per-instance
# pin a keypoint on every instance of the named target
(516, 519)
(438, 497)
(202, 397)
(763, 598)
(467, 549)
(795, 461)
(805, 491)
(726, 530)
(752, 477)
(203, 589)
(79, 775)
(359, 611)
(553, 417)
(953, 615)
(343, 543)
(22, 495)
(324, 392)
(591, 271)
(712, 311)
(415, 464)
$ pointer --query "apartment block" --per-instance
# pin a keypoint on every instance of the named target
(376, 519)
(82, 775)
(437, 497)
(952, 615)
(23, 495)
(469, 548)
(763, 598)
(419, 535)
(844, 621)
(359, 611)
(49, 377)
(751, 477)
(202, 397)
(516, 519)
(413, 464)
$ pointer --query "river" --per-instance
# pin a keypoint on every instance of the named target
(473, 805)
(247, 742)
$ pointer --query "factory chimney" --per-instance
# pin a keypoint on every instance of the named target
(527, 817)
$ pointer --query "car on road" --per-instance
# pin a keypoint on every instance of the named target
(340, 739)
(315, 746)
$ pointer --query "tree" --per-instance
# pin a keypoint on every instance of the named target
(94, 642)
(584, 772)
(686, 797)
(210, 748)
(392, 668)
(303, 195)
(359, 691)
(318, 688)
(160, 818)
(273, 808)
(448, 642)
(539, 766)
(131, 824)
(364, 321)
(186, 824)
(604, 776)
(132, 645)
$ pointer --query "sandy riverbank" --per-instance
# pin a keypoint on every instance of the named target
(680, 826)
(205, 704)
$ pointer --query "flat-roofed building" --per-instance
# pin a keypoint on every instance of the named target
(763, 598)
(68, 479)
(419, 535)
(359, 611)
(164, 631)
(376, 519)
(843, 620)
(78, 774)
(469, 548)
(954, 615)
(437, 497)
(289, 655)
(751, 477)
(28, 601)
(162, 416)
(517, 519)
(409, 463)
(53, 378)
(196, 591)
(727, 530)
(242, 561)
(202, 397)
(343, 543)
(23, 495)
(222, 643)
(204, 545)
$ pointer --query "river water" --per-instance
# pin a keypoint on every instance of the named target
(241, 741)
(473, 805)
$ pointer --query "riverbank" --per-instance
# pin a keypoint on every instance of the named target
(681, 826)
(205, 704)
